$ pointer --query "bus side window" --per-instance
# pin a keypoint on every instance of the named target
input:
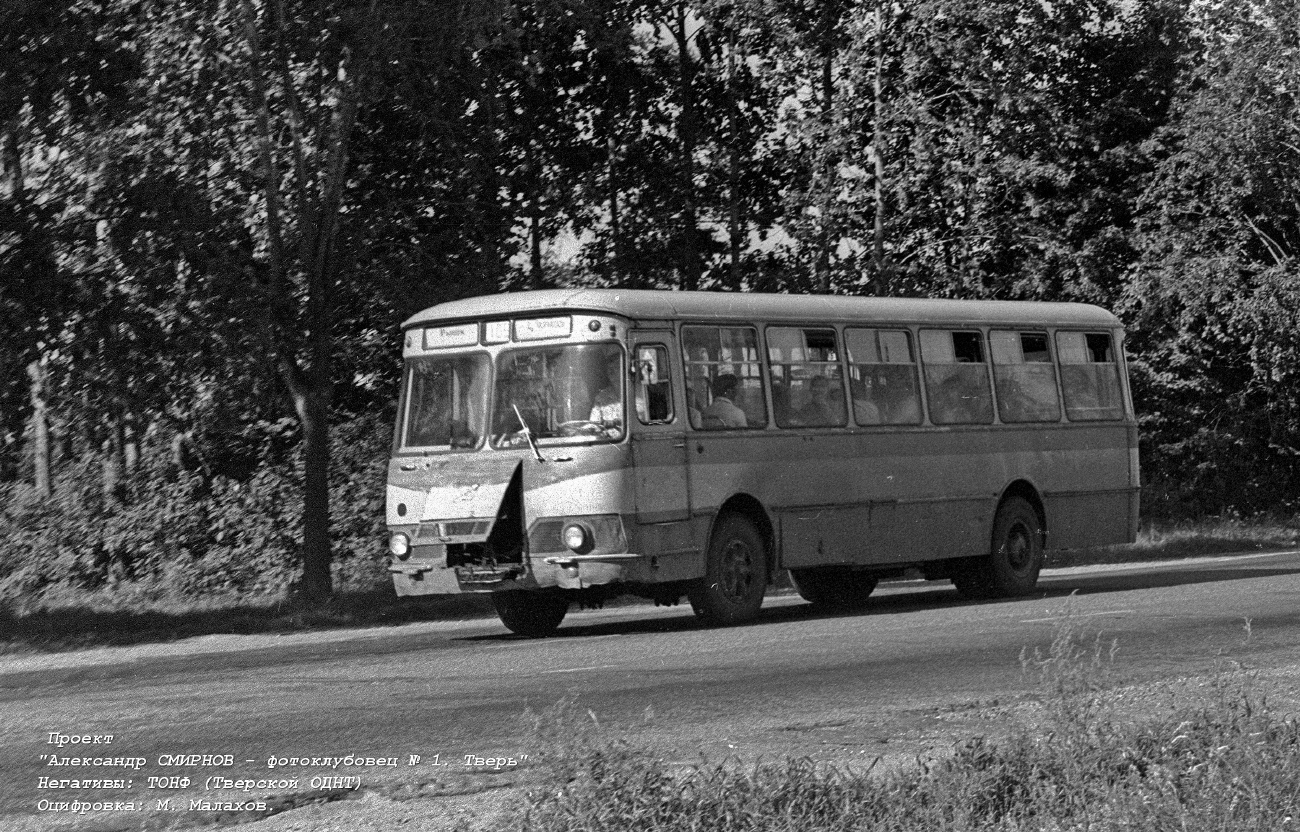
(1089, 376)
(807, 383)
(1025, 377)
(724, 379)
(956, 377)
(652, 385)
(882, 367)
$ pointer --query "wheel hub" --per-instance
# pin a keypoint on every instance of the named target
(1019, 547)
(737, 572)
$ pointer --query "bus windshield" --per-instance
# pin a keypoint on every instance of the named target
(446, 402)
(563, 393)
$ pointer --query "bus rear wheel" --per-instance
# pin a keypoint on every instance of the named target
(1015, 556)
(531, 614)
(735, 574)
(835, 588)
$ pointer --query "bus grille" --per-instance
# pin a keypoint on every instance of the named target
(453, 528)
(545, 537)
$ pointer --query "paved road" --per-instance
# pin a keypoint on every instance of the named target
(849, 687)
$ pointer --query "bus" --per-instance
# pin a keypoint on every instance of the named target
(566, 446)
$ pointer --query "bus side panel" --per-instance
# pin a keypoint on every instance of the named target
(1087, 486)
(1074, 519)
(822, 536)
(840, 498)
(933, 530)
(882, 533)
(882, 497)
(673, 549)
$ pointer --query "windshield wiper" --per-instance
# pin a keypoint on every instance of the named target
(528, 433)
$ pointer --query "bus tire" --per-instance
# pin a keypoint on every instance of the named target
(833, 589)
(1016, 552)
(971, 577)
(531, 614)
(735, 574)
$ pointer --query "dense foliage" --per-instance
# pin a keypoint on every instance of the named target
(213, 213)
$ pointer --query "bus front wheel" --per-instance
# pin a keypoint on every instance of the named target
(735, 575)
(531, 614)
(833, 589)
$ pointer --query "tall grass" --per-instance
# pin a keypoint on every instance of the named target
(1228, 763)
(1166, 540)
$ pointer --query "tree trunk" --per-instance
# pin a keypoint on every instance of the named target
(114, 461)
(536, 276)
(879, 279)
(615, 221)
(825, 173)
(689, 267)
(735, 218)
(131, 439)
(36, 371)
(313, 411)
(735, 206)
(11, 161)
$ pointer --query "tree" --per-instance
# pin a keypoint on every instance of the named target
(1216, 294)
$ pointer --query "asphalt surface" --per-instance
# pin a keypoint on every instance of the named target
(893, 682)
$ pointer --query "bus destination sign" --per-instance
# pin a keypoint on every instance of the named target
(537, 329)
(463, 335)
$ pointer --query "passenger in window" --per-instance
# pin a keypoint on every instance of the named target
(865, 411)
(960, 400)
(723, 412)
(820, 409)
(692, 400)
(898, 401)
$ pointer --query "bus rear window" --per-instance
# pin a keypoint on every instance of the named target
(1089, 376)
(446, 402)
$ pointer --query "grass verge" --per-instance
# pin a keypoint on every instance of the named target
(104, 620)
(1186, 539)
(1229, 763)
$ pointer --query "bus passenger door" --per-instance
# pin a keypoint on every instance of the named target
(658, 430)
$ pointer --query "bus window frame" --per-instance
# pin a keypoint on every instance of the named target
(1117, 362)
(558, 441)
(836, 331)
(917, 374)
(1049, 335)
(760, 345)
(987, 362)
(399, 446)
(634, 381)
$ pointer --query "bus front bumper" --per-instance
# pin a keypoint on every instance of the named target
(545, 571)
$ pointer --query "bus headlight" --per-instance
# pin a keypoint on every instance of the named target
(400, 545)
(578, 538)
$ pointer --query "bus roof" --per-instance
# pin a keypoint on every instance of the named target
(645, 304)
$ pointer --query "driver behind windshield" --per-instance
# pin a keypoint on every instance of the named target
(607, 404)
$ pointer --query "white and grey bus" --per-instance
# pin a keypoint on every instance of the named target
(566, 446)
